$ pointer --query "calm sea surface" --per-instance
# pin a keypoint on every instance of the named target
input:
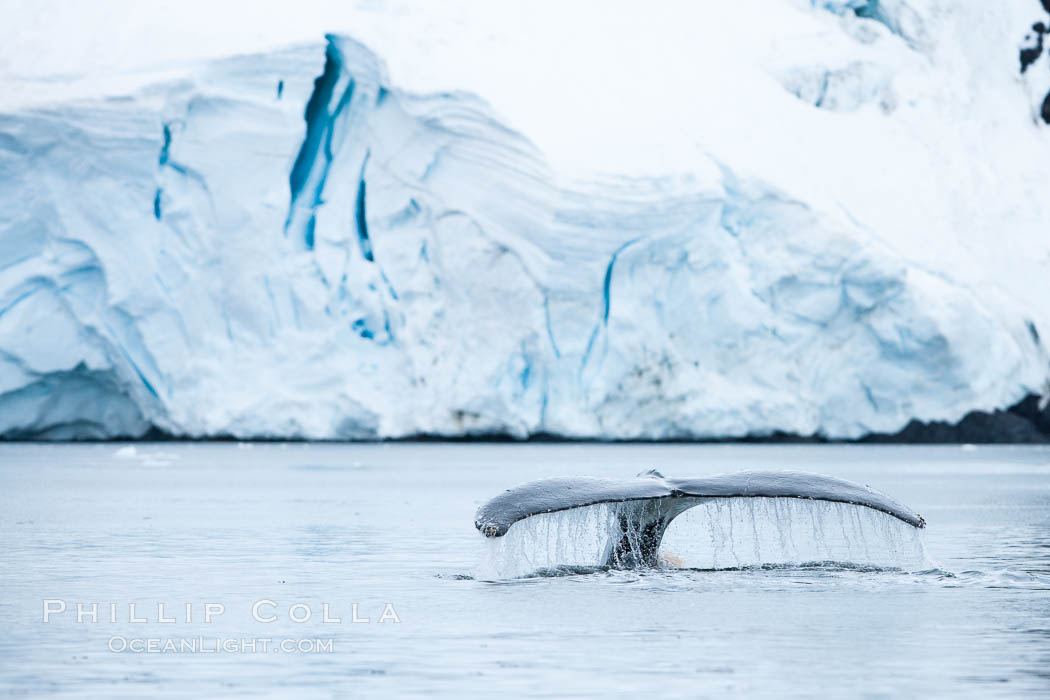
(384, 533)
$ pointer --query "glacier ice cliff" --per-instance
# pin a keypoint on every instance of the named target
(289, 244)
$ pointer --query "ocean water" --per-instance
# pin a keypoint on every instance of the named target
(759, 599)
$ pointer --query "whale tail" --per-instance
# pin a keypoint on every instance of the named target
(645, 505)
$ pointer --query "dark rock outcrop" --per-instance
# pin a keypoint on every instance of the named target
(1026, 422)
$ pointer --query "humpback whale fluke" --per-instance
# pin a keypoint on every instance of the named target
(646, 504)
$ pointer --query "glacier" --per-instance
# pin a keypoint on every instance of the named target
(835, 237)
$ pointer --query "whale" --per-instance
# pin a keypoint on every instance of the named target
(645, 505)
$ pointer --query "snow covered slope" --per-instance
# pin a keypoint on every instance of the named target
(708, 221)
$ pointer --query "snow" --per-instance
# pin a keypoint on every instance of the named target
(593, 221)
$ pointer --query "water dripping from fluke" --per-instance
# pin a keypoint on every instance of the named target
(756, 520)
